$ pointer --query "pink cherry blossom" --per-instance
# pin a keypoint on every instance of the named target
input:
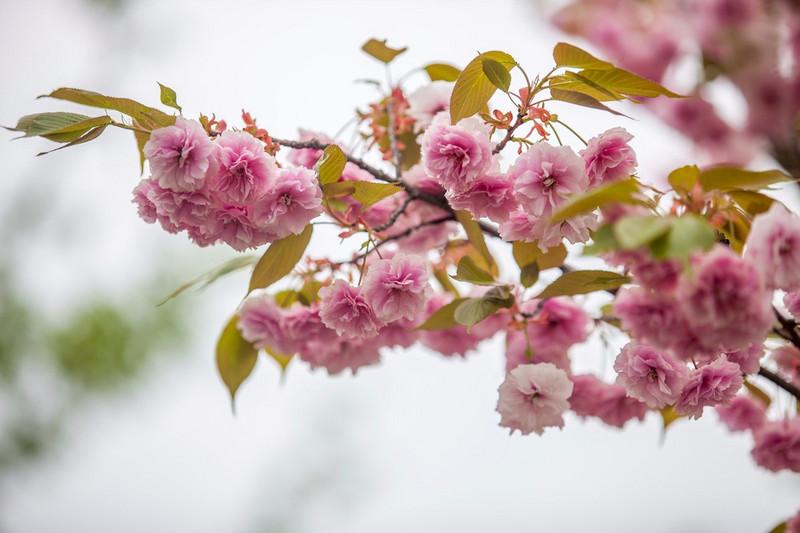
(303, 324)
(490, 195)
(455, 340)
(427, 101)
(534, 397)
(236, 226)
(545, 176)
(773, 246)
(575, 229)
(420, 179)
(344, 309)
(245, 172)
(792, 303)
(743, 413)
(292, 202)
(518, 227)
(519, 351)
(608, 157)
(557, 325)
(308, 157)
(456, 154)
(793, 524)
(606, 401)
(777, 445)
(396, 288)
(787, 358)
(340, 353)
(725, 302)
(650, 376)
(747, 358)
(180, 156)
(175, 211)
(261, 322)
(655, 274)
(713, 384)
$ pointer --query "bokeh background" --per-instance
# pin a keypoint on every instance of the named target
(112, 417)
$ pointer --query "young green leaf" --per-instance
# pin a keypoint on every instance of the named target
(90, 135)
(756, 391)
(725, 178)
(753, 203)
(603, 240)
(582, 99)
(443, 318)
(169, 98)
(45, 124)
(683, 179)
(475, 236)
(282, 359)
(279, 259)
(473, 310)
(468, 271)
(687, 234)
(497, 74)
(634, 231)
(526, 253)
(370, 192)
(148, 117)
(442, 71)
(473, 89)
(567, 55)
(626, 83)
(380, 51)
(529, 274)
(583, 282)
(206, 279)
(330, 166)
(622, 191)
(236, 358)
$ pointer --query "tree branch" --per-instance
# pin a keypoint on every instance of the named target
(779, 381)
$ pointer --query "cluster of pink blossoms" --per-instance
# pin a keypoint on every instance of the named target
(223, 189)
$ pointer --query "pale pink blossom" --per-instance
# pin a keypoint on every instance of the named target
(550, 234)
(420, 179)
(545, 176)
(400, 333)
(792, 303)
(261, 322)
(606, 401)
(344, 309)
(725, 302)
(180, 156)
(427, 101)
(520, 351)
(747, 358)
(743, 413)
(777, 445)
(396, 288)
(650, 376)
(236, 226)
(773, 246)
(489, 195)
(787, 357)
(340, 353)
(518, 227)
(793, 524)
(175, 211)
(308, 157)
(534, 397)
(246, 172)
(455, 340)
(292, 202)
(651, 273)
(456, 154)
(609, 157)
(302, 324)
(713, 384)
(557, 325)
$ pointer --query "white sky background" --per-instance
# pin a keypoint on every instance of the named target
(412, 445)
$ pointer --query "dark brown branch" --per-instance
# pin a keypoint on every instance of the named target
(402, 235)
(780, 382)
(395, 215)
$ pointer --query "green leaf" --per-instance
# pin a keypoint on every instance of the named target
(369, 192)
(475, 236)
(583, 282)
(634, 231)
(442, 71)
(687, 234)
(603, 240)
(380, 51)
(148, 117)
(724, 178)
(236, 358)
(86, 137)
(574, 81)
(780, 528)
(443, 318)
(473, 89)
(169, 98)
(684, 178)
(529, 274)
(141, 139)
(444, 280)
(43, 124)
(206, 279)
(567, 55)
(496, 73)
(526, 253)
(753, 203)
(473, 310)
(626, 83)
(279, 259)
(668, 417)
(282, 359)
(468, 271)
(582, 99)
(330, 166)
(622, 191)
(756, 391)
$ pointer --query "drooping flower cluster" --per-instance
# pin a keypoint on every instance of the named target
(224, 189)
